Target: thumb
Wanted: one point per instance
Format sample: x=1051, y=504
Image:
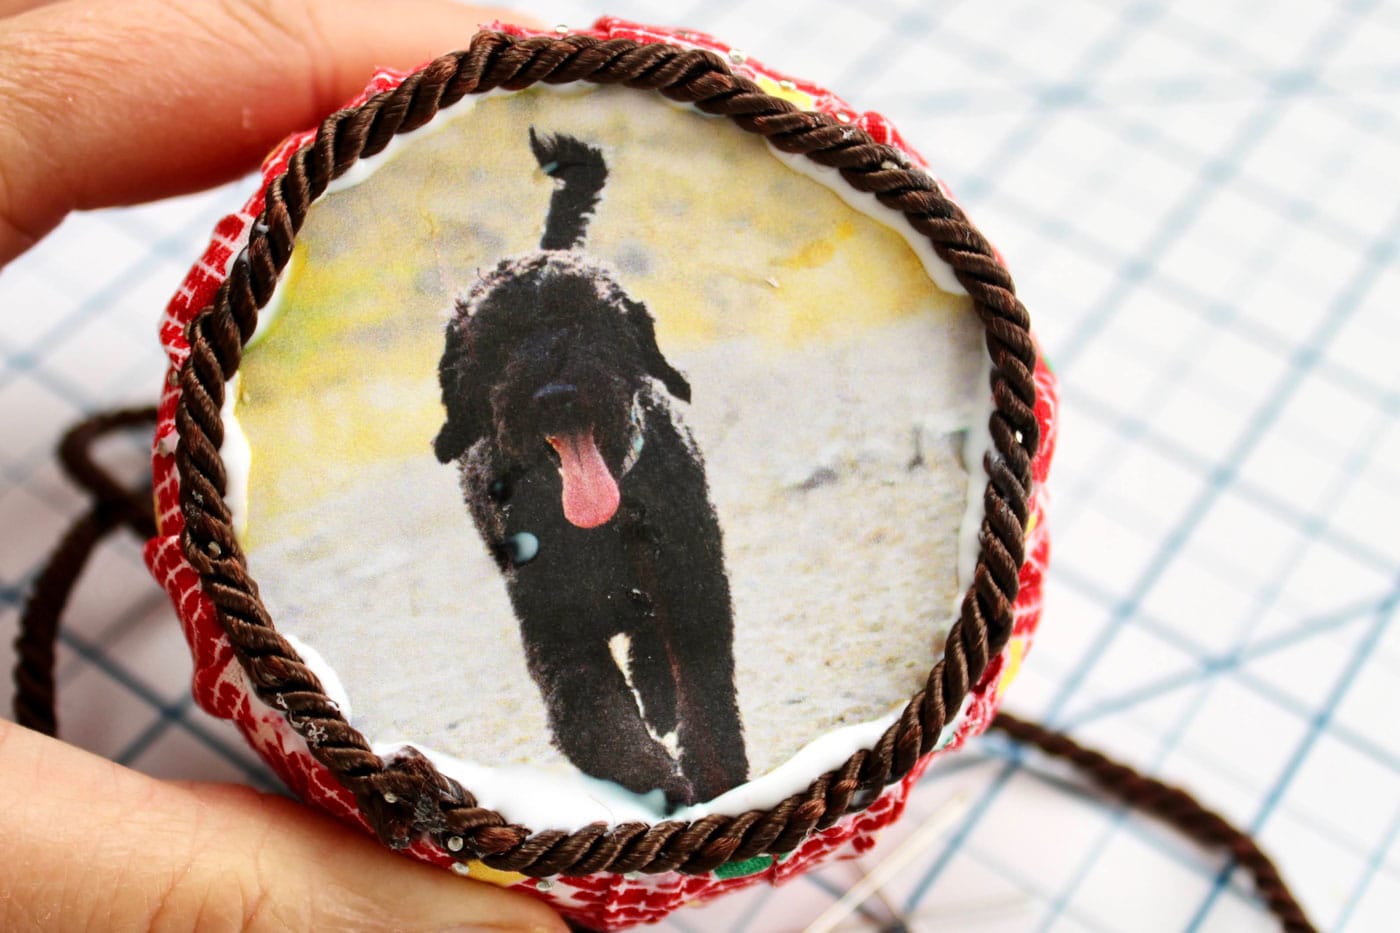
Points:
x=93, y=845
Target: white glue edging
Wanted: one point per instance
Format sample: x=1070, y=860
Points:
x=548, y=798
x=543, y=798
x=237, y=455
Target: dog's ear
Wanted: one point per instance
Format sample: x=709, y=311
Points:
x=460, y=396
x=639, y=318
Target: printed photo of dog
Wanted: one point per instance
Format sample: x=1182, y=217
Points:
x=537, y=286
x=592, y=497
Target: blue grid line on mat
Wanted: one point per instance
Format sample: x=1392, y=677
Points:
x=1213, y=175
x=1320, y=724
x=1374, y=864
x=1000, y=93
x=1222, y=475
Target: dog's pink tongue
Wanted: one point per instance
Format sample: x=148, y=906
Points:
x=590, y=492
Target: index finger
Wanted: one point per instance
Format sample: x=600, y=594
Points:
x=105, y=104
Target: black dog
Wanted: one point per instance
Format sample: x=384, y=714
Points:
x=593, y=500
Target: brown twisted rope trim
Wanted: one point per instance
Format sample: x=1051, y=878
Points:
x=113, y=506
x=406, y=797
x=1172, y=804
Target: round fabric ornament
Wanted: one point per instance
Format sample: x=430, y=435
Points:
x=605, y=466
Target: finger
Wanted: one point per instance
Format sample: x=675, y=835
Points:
x=104, y=104
x=91, y=845
x=11, y=7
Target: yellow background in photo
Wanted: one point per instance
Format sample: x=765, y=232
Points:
x=699, y=220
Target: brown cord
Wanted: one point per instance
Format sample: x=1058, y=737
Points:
x=406, y=797
x=1172, y=804
x=114, y=506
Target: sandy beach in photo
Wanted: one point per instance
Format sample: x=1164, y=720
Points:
x=840, y=538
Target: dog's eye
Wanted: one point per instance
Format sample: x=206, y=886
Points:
x=499, y=490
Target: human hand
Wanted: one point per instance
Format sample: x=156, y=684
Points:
x=114, y=103
x=103, y=103
x=92, y=845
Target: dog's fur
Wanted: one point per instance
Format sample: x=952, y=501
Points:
x=592, y=498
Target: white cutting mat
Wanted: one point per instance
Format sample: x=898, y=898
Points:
x=1195, y=200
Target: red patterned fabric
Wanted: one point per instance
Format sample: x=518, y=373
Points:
x=602, y=901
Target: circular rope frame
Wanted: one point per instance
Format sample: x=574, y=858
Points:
x=406, y=797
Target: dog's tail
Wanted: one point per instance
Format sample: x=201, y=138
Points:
x=583, y=172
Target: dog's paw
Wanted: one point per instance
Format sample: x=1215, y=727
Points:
x=679, y=792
